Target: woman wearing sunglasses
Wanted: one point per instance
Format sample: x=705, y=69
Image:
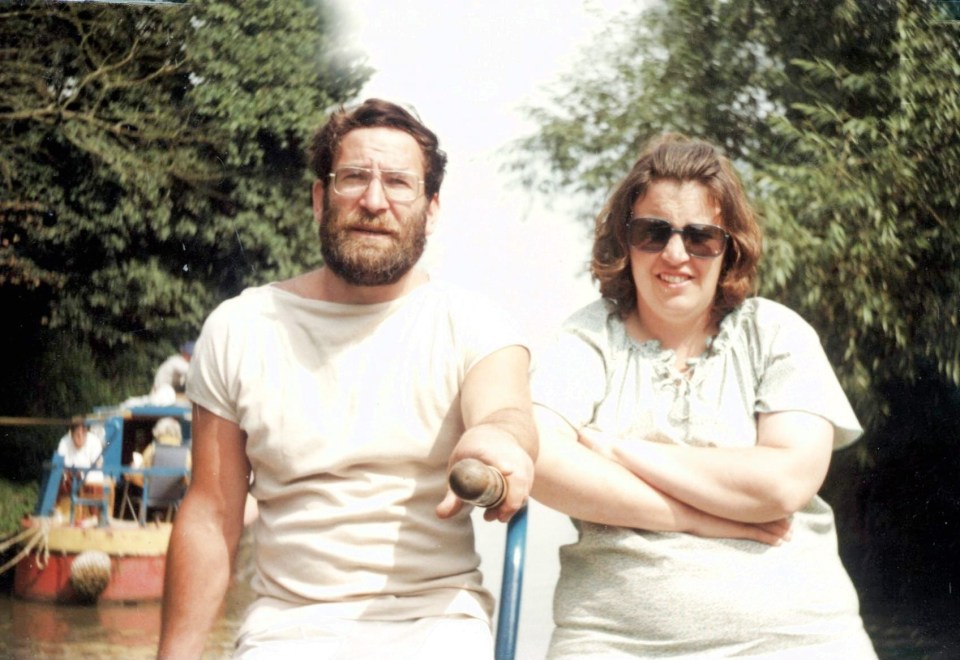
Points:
x=686, y=429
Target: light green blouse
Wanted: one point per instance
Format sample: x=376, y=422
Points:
x=632, y=593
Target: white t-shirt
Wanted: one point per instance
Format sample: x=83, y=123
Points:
x=172, y=372
x=351, y=412
x=85, y=457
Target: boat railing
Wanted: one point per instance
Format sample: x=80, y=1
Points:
x=98, y=494
x=82, y=494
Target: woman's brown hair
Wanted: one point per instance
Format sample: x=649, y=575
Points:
x=675, y=157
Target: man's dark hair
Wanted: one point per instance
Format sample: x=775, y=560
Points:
x=376, y=113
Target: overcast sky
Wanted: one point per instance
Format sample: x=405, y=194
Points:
x=467, y=67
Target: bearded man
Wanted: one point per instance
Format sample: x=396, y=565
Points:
x=348, y=391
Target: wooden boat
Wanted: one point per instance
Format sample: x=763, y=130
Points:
x=99, y=546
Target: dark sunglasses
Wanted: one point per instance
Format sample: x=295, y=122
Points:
x=653, y=234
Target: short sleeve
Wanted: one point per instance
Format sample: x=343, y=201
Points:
x=207, y=380
x=569, y=373
x=481, y=327
x=797, y=375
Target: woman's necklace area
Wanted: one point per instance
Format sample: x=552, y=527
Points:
x=692, y=362
x=639, y=331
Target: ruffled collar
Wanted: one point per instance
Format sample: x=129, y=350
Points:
x=663, y=358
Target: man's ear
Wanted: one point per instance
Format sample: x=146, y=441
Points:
x=433, y=213
x=318, y=192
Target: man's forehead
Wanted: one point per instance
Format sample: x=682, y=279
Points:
x=388, y=148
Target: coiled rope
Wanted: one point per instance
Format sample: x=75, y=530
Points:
x=37, y=534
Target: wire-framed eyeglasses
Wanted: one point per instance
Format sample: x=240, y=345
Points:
x=653, y=234
x=398, y=185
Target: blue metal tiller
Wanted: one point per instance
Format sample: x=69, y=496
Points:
x=508, y=614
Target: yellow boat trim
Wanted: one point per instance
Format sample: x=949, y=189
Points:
x=150, y=540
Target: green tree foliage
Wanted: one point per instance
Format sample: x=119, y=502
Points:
x=151, y=160
x=16, y=501
x=841, y=114
x=707, y=68
x=151, y=164
x=868, y=209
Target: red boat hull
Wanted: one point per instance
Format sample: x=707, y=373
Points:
x=137, y=564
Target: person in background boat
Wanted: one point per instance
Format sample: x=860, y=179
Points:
x=682, y=422
x=80, y=448
x=169, y=382
x=350, y=390
x=166, y=431
x=172, y=373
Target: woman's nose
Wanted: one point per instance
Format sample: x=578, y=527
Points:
x=675, y=251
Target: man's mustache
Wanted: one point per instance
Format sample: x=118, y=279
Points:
x=370, y=222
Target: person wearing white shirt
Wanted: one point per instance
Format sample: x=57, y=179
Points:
x=79, y=448
x=173, y=371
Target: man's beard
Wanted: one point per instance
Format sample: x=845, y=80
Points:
x=361, y=264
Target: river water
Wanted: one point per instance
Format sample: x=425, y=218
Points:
x=41, y=630
x=30, y=630
x=33, y=630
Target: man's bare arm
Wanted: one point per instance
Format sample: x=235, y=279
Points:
x=495, y=401
x=205, y=536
